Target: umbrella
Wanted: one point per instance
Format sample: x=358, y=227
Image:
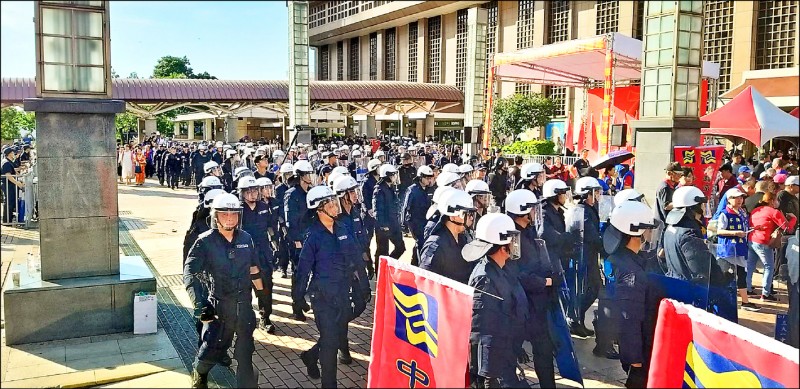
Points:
x=612, y=159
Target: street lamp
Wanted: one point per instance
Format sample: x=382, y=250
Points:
x=72, y=49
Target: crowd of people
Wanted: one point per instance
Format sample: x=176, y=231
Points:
x=16, y=160
x=534, y=240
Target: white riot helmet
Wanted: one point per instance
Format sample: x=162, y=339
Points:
x=341, y=170
x=356, y=153
x=438, y=194
x=424, y=171
x=628, y=195
x=230, y=153
x=286, y=168
x=210, y=196
x=533, y=171
x=379, y=154
x=631, y=218
x=449, y=179
x=494, y=229
x=457, y=203
x=347, y=184
x=586, y=186
x=248, y=185
x=554, y=187
x=242, y=171
x=318, y=199
x=685, y=199
x=465, y=169
x=210, y=166
x=480, y=192
x=332, y=176
x=225, y=204
x=450, y=168
x=266, y=187
x=304, y=171
x=388, y=173
x=523, y=202
x=373, y=165
x=210, y=182
x=278, y=156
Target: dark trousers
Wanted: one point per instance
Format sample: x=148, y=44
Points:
x=604, y=325
x=294, y=256
x=543, y=364
x=584, y=287
x=187, y=177
x=161, y=176
x=265, y=300
x=10, y=199
x=383, y=237
x=794, y=316
x=218, y=335
x=283, y=251
x=332, y=325
x=172, y=178
x=369, y=226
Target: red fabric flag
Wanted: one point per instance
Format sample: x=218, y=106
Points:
x=569, y=140
x=581, y=137
x=420, y=336
x=696, y=349
x=594, y=146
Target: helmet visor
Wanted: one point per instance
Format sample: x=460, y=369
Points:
x=514, y=247
x=226, y=219
x=251, y=194
x=331, y=207
x=652, y=236
x=267, y=192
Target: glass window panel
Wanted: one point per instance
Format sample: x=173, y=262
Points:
x=667, y=6
x=694, y=57
x=650, y=93
x=668, y=23
x=697, y=24
x=56, y=21
x=695, y=40
x=693, y=92
x=685, y=22
x=57, y=49
x=663, y=108
x=88, y=24
x=89, y=51
x=90, y=79
x=680, y=108
x=650, y=76
x=683, y=56
x=697, y=6
x=652, y=26
x=651, y=58
x=683, y=39
x=649, y=108
x=682, y=76
x=653, y=7
x=665, y=57
x=664, y=92
x=667, y=39
x=694, y=75
x=686, y=5
x=664, y=75
x=652, y=42
x=57, y=77
x=692, y=108
x=680, y=92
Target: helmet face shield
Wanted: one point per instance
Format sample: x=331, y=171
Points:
x=356, y=195
x=267, y=192
x=539, y=179
x=514, y=247
x=251, y=194
x=331, y=207
x=226, y=219
x=536, y=216
x=650, y=238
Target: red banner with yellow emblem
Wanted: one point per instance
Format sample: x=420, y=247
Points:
x=420, y=337
x=704, y=161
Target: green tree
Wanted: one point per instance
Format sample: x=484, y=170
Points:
x=169, y=65
x=133, y=75
x=204, y=76
x=13, y=121
x=125, y=122
x=513, y=115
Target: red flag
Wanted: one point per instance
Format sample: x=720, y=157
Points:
x=594, y=138
x=581, y=137
x=420, y=336
x=696, y=349
x=569, y=141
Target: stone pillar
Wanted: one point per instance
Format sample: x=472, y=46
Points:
x=368, y=127
x=190, y=130
x=380, y=57
x=671, y=77
x=231, y=131
x=348, y=125
x=176, y=128
x=207, y=130
x=298, y=65
x=420, y=129
x=475, y=83
x=150, y=126
x=429, y=126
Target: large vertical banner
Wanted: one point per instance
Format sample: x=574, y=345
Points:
x=695, y=349
x=420, y=337
x=704, y=161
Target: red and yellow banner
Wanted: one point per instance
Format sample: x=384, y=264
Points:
x=420, y=337
x=704, y=161
x=696, y=349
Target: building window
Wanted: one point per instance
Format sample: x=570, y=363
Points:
x=340, y=60
x=354, y=68
x=324, y=63
x=558, y=21
x=559, y=95
x=607, y=16
x=435, y=49
x=638, y=16
x=316, y=15
x=491, y=35
x=413, y=31
x=373, y=56
x=390, y=56
x=461, y=48
x=776, y=31
x=524, y=35
x=718, y=40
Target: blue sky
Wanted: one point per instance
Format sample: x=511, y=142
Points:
x=233, y=40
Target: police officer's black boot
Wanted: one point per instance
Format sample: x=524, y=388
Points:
x=199, y=380
x=311, y=366
x=265, y=324
x=344, y=357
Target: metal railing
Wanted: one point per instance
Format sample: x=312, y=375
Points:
x=19, y=205
x=540, y=158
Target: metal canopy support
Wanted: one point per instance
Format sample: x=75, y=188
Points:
x=299, y=97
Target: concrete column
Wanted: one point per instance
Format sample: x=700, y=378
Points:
x=475, y=83
x=368, y=127
x=744, y=42
x=381, y=50
x=299, y=114
x=420, y=129
x=348, y=125
x=429, y=125
x=230, y=129
x=150, y=126
x=422, y=50
x=190, y=131
x=670, y=118
x=207, y=130
x=176, y=128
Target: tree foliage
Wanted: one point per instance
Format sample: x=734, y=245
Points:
x=177, y=67
x=513, y=115
x=125, y=122
x=13, y=121
x=531, y=147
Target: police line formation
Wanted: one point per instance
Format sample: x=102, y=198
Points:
x=310, y=213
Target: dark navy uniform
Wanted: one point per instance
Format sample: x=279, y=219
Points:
x=441, y=254
x=368, y=189
x=497, y=325
x=329, y=260
x=174, y=166
x=559, y=242
x=415, y=206
x=407, y=173
x=687, y=255
x=585, y=227
x=532, y=269
x=186, y=167
x=224, y=269
x=297, y=220
x=198, y=160
x=387, y=222
x=256, y=221
x=283, y=244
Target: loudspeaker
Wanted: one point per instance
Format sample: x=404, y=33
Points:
x=619, y=134
x=469, y=135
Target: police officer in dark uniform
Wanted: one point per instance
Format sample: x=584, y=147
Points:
x=330, y=258
x=325, y=169
x=174, y=166
x=415, y=206
x=441, y=251
x=186, y=166
x=256, y=222
x=631, y=224
x=559, y=243
x=285, y=177
x=158, y=158
x=498, y=182
x=535, y=273
x=406, y=172
x=199, y=160
x=224, y=262
x=267, y=194
x=387, y=214
x=499, y=309
x=532, y=178
x=298, y=220
x=368, y=189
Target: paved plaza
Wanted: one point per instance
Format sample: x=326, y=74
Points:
x=153, y=221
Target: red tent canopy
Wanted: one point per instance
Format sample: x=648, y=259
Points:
x=795, y=112
x=751, y=116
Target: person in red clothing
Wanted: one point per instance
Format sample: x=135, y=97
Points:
x=765, y=220
x=728, y=180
